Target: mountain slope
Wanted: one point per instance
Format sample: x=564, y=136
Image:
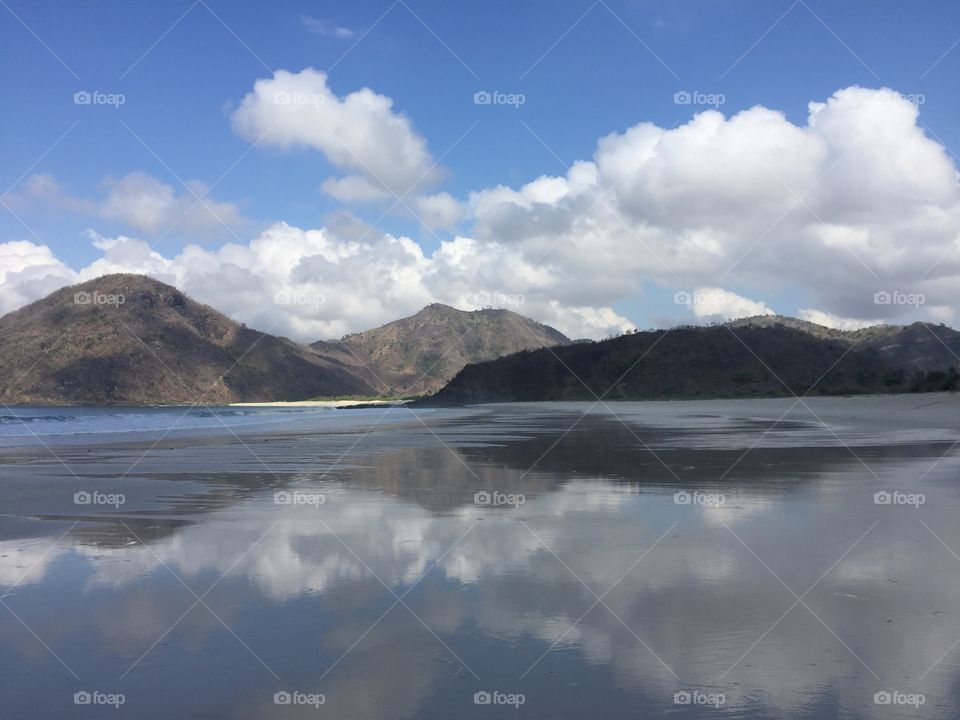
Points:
x=81, y=344
x=920, y=346
x=420, y=354
x=685, y=362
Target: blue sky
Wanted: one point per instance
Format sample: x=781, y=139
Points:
x=585, y=70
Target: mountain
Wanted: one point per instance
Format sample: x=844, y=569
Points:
x=920, y=346
x=716, y=361
x=420, y=354
x=132, y=339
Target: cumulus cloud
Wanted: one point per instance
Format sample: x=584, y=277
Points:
x=359, y=133
x=28, y=272
x=139, y=201
x=440, y=212
x=833, y=321
x=151, y=206
x=855, y=201
x=314, y=284
x=724, y=305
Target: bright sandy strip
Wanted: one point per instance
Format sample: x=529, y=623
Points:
x=318, y=403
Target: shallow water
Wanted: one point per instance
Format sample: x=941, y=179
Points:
x=73, y=425
x=642, y=555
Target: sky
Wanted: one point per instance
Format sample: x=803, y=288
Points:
x=318, y=168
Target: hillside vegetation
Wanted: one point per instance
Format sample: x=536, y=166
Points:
x=749, y=360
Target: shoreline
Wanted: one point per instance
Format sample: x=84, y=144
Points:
x=319, y=403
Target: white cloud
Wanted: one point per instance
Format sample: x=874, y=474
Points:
x=152, y=207
x=440, y=212
x=28, y=272
x=833, y=321
x=354, y=188
x=585, y=322
x=317, y=284
x=44, y=191
x=855, y=201
x=327, y=28
x=718, y=303
x=139, y=201
x=126, y=254
x=359, y=133
x=942, y=313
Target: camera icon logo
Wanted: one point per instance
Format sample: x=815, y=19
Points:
x=882, y=498
x=282, y=498
x=882, y=298
x=682, y=698
x=282, y=698
x=81, y=298
x=482, y=698
x=82, y=97
x=482, y=498
x=682, y=98
x=82, y=698
x=682, y=298
x=82, y=498
x=682, y=498
x=482, y=97
x=882, y=698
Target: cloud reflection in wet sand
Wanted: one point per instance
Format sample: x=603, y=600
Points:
x=301, y=584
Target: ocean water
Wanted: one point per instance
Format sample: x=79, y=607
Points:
x=737, y=559
x=23, y=425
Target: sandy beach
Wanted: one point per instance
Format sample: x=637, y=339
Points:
x=319, y=403
x=498, y=525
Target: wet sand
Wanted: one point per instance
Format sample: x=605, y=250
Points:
x=399, y=562
x=320, y=403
